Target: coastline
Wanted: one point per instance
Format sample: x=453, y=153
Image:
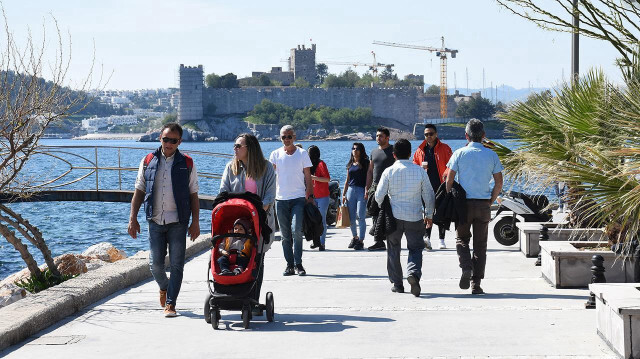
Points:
x=110, y=136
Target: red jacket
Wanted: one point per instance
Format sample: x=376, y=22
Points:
x=442, y=152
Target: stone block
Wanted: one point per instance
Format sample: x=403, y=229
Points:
x=564, y=266
x=529, y=235
x=618, y=316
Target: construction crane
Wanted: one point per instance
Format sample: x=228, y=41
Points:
x=372, y=66
x=442, y=54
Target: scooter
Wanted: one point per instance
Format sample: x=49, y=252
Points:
x=532, y=208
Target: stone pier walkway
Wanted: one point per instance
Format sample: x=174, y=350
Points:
x=343, y=308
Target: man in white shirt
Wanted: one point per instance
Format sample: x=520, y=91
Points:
x=412, y=201
x=167, y=183
x=293, y=189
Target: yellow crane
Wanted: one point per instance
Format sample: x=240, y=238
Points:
x=442, y=54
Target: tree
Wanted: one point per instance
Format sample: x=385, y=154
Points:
x=213, y=81
x=615, y=22
x=28, y=106
x=229, y=81
x=264, y=80
x=433, y=90
x=387, y=74
x=322, y=71
x=479, y=108
x=300, y=83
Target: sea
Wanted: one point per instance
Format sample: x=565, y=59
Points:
x=72, y=227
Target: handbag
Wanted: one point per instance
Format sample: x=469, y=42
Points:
x=343, y=217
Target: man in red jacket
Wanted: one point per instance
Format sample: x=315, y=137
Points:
x=433, y=155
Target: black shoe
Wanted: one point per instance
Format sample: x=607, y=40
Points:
x=313, y=246
x=300, y=270
x=289, y=271
x=378, y=246
x=465, y=279
x=476, y=289
x=359, y=246
x=397, y=289
x=321, y=248
x=226, y=272
x=354, y=241
x=415, y=285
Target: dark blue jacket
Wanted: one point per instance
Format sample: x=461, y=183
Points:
x=180, y=171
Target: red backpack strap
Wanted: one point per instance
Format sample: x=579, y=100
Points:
x=189, y=161
x=148, y=159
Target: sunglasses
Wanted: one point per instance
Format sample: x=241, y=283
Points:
x=287, y=137
x=169, y=139
x=355, y=149
x=429, y=134
x=237, y=146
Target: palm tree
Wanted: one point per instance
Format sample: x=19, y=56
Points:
x=586, y=135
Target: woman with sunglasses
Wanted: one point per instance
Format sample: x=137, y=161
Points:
x=353, y=194
x=320, y=176
x=249, y=171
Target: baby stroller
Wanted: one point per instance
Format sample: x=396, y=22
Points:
x=237, y=292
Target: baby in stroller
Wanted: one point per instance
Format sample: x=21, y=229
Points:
x=239, y=247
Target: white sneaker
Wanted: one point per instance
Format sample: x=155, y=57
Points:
x=442, y=245
x=427, y=243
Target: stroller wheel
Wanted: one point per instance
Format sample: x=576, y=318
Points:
x=207, y=309
x=270, y=306
x=246, y=316
x=214, y=318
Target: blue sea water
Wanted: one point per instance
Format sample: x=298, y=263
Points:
x=71, y=227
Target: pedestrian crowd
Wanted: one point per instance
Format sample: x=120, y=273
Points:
x=405, y=194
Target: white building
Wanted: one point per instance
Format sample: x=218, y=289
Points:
x=94, y=124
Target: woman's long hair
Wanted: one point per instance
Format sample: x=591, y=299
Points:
x=314, y=156
x=256, y=163
x=364, y=159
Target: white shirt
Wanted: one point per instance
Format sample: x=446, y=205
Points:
x=289, y=170
x=408, y=187
x=165, y=210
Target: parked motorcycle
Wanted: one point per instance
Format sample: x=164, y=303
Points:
x=532, y=208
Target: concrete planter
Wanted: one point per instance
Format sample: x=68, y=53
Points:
x=564, y=266
x=618, y=316
x=529, y=235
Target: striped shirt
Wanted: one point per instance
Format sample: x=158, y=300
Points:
x=408, y=187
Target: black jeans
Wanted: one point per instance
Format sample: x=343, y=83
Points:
x=441, y=231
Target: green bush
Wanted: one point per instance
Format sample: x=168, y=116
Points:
x=34, y=284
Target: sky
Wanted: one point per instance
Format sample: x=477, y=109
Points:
x=140, y=44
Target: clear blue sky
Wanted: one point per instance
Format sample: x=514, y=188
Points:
x=142, y=43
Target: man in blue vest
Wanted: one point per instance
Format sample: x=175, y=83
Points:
x=167, y=184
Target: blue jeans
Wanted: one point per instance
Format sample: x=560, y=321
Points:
x=357, y=205
x=173, y=236
x=323, y=206
x=290, y=216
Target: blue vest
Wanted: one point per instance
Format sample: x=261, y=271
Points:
x=180, y=171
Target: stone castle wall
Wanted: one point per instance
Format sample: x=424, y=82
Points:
x=400, y=105
x=190, y=96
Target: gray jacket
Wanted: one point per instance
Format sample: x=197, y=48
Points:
x=266, y=191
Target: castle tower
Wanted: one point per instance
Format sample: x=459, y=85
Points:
x=302, y=63
x=190, y=96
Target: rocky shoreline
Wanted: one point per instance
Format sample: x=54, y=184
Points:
x=68, y=264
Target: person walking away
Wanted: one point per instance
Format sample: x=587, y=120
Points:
x=353, y=193
x=475, y=166
x=412, y=201
x=433, y=155
x=249, y=171
x=381, y=159
x=293, y=187
x=320, y=176
x=167, y=184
